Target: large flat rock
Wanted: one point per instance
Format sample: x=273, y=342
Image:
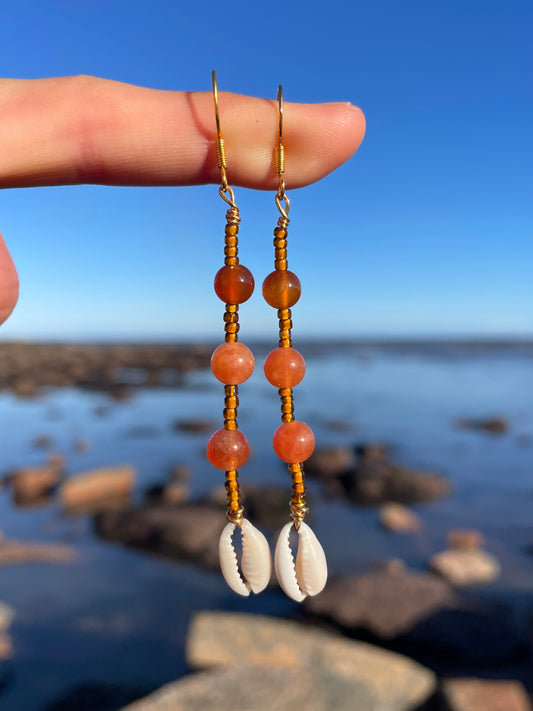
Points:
x=259, y=663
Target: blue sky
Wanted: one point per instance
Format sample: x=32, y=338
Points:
x=429, y=227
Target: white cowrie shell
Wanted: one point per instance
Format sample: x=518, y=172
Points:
x=310, y=573
x=256, y=563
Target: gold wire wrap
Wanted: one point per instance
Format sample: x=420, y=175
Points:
x=280, y=159
x=280, y=162
x=298, y=498
x=235, y=510
x=221, y=154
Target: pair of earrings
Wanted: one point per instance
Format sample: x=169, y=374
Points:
x=232, y=363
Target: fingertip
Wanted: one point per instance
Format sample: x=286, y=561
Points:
x=9, y=283
x=324, y=137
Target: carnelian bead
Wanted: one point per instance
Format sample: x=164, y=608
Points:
x=293, y=442
x=234, y=284
x=227, y=449
x=282, y=289
x=284, y=367
x=232, y=363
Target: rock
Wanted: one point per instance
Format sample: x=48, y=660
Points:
x=91, y=489
x=7, y=615
x=218, y=496
x=82, y=446
x=465, y=567
x=57, y=461
x=387, y=602
x=120, y=392
x=317, y=670
x=115, y=369
x=195, y=426
x=267, y=506
x=278, y=664
x=370, y=478
x=42, y=441
x=375, y=481
x=6, y=647
x=330, y=461
x=493, y=425
x=422, y=614
x=12, y=552
x=31, y=484
x=175, y=493
x=25, y=387
x=172, y=493
x=189, y=532
x=398, y=518
x=465, y=539
x=180, y=473
x=372, y=452
x=485, y=695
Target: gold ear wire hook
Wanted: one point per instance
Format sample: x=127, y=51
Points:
x=225, y=190
x=280, y=161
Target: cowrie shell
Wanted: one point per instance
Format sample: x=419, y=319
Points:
x=309, y=574
x=256, y=563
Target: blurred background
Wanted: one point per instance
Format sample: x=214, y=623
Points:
x=418, y=391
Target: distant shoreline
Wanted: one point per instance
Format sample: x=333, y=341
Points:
x=118, y=368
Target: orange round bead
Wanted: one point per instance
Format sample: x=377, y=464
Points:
x=284, y=367
x=232, y=363
x=234, y=284
x=293, y=442
x=282, y=289
x=227, y=449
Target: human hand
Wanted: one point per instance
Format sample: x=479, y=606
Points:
x=71, y=130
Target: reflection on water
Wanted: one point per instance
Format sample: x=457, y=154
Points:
x=118, y=618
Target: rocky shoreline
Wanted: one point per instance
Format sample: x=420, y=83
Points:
x=386, y=637
x=26, y=368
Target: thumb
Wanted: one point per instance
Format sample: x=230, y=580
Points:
x=9, y=282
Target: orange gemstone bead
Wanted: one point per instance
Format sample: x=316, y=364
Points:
x=232, y=363
x=293, y=442
x=227, y=449
x=282, y=289
x=234, y=284
x=284, y=367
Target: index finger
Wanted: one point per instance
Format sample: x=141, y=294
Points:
x=84, y=129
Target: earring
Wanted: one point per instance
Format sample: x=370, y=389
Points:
x=232, y=363
x=293, y=440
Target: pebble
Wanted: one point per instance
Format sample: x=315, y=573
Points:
x=485, y=695
x=465, y=567
x=399, y=519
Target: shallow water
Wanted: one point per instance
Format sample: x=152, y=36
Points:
x=120, y=616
